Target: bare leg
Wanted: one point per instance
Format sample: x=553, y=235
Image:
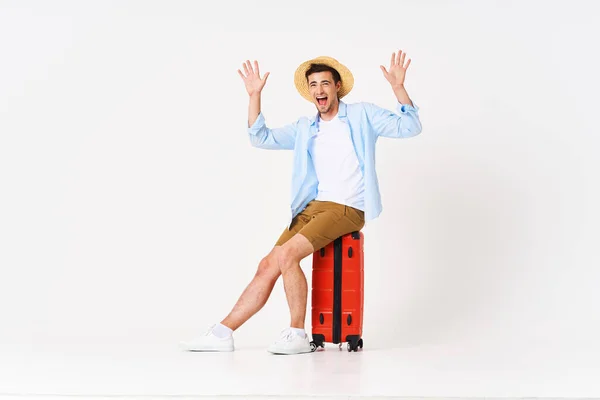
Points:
x=282, y=259
x=294, y=281
x=296, y=291
x=256, y=293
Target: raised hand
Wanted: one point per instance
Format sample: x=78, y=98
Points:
x=395, y=76
x=252, y=80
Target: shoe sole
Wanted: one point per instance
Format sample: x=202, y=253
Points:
x=185, y=347
x=289, y=353
x=210, y=350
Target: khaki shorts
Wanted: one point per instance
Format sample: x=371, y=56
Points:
x=321, y=222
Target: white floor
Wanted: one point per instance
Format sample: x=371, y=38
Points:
x=484, y=370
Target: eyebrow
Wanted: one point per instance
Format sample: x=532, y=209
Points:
x=324, y=80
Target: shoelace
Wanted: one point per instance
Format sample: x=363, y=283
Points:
x=286, y=335
x=209, y=331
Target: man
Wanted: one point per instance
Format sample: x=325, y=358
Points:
x=334, y=184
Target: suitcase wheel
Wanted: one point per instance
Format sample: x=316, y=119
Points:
x=314, y=346
x=318, y=340
x=355, y=345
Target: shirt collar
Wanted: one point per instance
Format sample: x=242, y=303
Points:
x=341, y=114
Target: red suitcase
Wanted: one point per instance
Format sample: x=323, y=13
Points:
x=338, y=292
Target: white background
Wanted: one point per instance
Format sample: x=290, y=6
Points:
x=133, y=207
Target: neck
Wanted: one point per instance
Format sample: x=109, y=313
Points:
x=328, y=116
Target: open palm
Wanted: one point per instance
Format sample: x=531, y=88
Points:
x=395, y=76
x=252, y=80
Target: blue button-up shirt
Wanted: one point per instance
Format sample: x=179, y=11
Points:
x=367, y=122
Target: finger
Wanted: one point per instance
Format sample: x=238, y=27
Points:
x=398, y=56
x=246, y=69
x=385, y=73
x=256, y=68
x=242, y=75
x=393, y=60
x=402, y=59
x=266, y=76
x=407, y=64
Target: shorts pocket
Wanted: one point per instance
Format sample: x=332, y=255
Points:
x=355, y=216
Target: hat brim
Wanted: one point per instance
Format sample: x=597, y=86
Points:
x=347, y=79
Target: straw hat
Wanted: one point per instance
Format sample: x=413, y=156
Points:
x=347, y=81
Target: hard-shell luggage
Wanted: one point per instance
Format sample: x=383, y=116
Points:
x=338, y=292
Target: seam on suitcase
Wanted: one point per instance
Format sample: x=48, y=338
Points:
x=337, y=291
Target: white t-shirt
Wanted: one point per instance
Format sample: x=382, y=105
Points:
x=336, y=165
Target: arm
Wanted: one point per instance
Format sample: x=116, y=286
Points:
x=402, y=95
x=253, y=109
x=272, y=139
x=260, y=135
x=405, y=123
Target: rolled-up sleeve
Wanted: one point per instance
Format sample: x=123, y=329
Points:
x=263, y=137
x=404, y=123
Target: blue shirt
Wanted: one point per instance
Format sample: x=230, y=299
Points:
x=367, y=122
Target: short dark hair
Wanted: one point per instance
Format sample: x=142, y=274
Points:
x=322, y=68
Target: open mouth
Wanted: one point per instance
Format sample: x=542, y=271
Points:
x=322, y=100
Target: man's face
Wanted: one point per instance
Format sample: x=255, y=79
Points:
x=323, y=90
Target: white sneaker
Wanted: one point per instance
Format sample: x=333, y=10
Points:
x=209, y=342
x=290, y=343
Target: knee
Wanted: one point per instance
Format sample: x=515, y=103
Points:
x=268, y=268
x=284, y=259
